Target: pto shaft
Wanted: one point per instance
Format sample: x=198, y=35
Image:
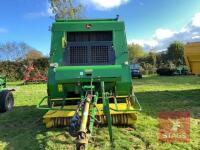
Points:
x=85, y=115
x=82, y=134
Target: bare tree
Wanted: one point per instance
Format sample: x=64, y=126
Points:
x=34, y=54
x=13, y=51
x=66, y=9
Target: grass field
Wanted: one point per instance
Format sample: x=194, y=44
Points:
x=23, y=129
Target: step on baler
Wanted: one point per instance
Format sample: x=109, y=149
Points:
x=6, y=97
x=89, y=78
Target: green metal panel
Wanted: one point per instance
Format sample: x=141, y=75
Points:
x=116, y=76
x=81, y=26
x=2, y=83
x=59, y=29
x=79, y=73
x=56, y=54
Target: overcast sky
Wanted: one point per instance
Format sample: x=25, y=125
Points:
x=150, y=23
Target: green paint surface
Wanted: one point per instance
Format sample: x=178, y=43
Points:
x=117, y=77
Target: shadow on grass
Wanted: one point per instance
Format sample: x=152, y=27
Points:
x=157, y=101
x=23, y=128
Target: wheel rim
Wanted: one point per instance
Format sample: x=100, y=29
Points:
x=9, y=103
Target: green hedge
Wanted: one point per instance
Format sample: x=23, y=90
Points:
x=14, y=70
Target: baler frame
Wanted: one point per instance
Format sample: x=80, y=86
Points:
x=90, y=99
x=89, y=60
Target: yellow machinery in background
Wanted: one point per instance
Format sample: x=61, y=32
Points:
x=192, y=57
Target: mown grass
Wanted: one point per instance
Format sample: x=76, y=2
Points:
x=23, y=129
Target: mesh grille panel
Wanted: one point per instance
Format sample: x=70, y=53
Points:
x=78, y=55
x=89, y=53
x=99, y=54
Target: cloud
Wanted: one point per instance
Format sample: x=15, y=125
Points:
x=107, y=4
x=145, y=43
x=49, y=10
x=99, y=4
x=196, y=37
x=3, y=30
x=163, y=37
x=40, y=14
x=196, y=20
x=163, y=33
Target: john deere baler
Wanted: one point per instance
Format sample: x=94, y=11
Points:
x=89, y=79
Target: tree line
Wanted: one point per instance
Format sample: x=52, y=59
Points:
x=14, y=66
x=14, y=70
x=17, y=51
x=152, y=60
x=14, y=57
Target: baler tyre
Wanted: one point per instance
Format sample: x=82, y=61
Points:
x=6, y=101
x=80, y=147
